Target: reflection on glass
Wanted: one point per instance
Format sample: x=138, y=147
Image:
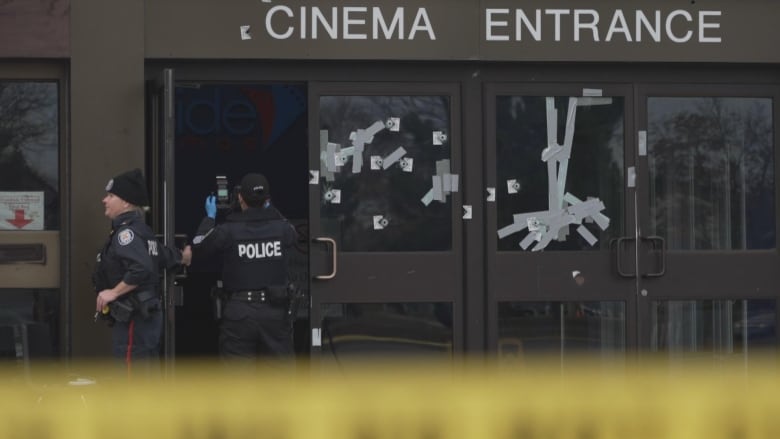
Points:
x=29, y=324
x=595, y=167
x=233, y=129
x=528, y=328
x=366, y=330
x=391, y=193
x=720, y=327
x=712, y=172
x=29, y=143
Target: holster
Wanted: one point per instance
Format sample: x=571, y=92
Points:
x=294, y=300
x=217, y=297
x=136, y=302
x=121, y=310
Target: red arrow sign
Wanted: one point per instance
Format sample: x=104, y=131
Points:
x=19, y=221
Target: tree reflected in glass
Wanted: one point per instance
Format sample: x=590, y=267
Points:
x=711, y=166
x=29, y=142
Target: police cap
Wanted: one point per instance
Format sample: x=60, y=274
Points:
x=254, y=188
x=130, y=186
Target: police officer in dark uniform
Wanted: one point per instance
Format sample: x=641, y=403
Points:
x=254, y=245
x=127, y=273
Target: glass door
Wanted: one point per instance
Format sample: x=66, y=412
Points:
x=708, y=264
x=385, y=221
x=560, y=219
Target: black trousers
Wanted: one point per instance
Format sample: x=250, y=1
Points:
x=137, y=343
x=254, y=330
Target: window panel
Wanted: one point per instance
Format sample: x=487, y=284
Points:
x=387, y=206
x=711, y=163
x=29, y=151
x=525, y=126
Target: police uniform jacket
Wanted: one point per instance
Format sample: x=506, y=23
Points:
x=133, y=255
x=254, y=245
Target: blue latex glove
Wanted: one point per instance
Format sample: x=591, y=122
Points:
x=211, y=206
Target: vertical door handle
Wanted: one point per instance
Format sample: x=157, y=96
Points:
x=332, y=274
x=619, y=244
x=657, y=244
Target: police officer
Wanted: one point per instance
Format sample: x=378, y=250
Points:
x=254, y=245
x=127, y=273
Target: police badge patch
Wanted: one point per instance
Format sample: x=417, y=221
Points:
x=125, y=237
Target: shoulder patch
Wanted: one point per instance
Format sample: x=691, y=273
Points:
x=125, y=237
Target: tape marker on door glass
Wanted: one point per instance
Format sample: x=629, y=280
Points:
x=316, y=338
x=393, y=157
x=591, y=92
x=642, y=143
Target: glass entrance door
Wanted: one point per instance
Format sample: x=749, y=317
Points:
x=385, y=220
x=606, y=236
x=560, y=199
x=708, y=263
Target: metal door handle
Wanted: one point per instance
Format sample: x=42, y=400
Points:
x=657, y=242
x=618, y=242
x=332, y=242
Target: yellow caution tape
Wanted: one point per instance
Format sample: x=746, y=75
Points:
x=390, y=400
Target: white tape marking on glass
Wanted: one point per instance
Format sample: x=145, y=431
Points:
x=564, y=209
x=642, y=143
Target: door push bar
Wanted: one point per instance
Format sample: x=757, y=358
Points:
x=332, y=242
x=657, y=243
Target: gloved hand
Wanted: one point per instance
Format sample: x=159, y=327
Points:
x=211, y=206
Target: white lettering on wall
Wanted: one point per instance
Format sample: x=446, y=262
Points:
x=557, y=14
x=490, y=23
x=269, y=18
x=687, y=16
x=587, y=25
x=422, y=23
x=584, y=25
x=346, y=23
x=580, y=24
x=618, y=25
x=350, y=23
x=535, y=29
x=703, y=24
x=318, y=18
x=643, y=22
x=381, y=24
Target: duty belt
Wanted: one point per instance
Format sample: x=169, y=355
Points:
x=257, y=296
x=145, y=295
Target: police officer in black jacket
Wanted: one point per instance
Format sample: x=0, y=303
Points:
x=127, y=273
x=254, y=245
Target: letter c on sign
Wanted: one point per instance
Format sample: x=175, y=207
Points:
x=270, y=15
